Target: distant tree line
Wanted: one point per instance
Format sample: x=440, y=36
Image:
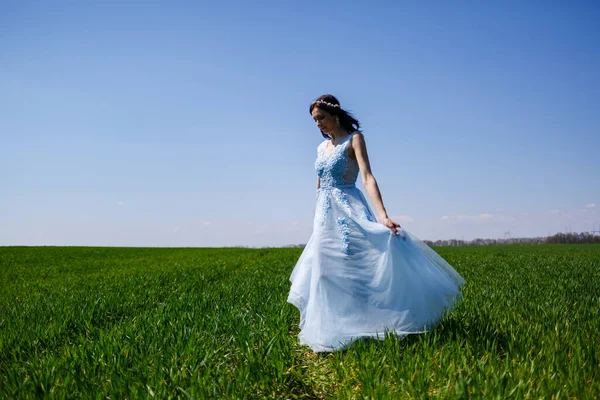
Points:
x=559, y=238
x=573, y=238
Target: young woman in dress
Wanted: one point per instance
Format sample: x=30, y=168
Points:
x=360, y=276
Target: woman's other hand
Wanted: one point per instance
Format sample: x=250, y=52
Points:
x=394, y=226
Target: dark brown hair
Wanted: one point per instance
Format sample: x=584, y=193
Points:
x=347, y=121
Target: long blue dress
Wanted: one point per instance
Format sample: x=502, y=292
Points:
x=355, y=278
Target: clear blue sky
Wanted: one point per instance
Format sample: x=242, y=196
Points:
x=186, y=123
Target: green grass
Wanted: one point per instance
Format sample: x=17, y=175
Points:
x=207, y=323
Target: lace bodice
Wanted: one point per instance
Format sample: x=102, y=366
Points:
x=336, y=168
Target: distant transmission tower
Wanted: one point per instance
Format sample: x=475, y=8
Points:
x=594, y=231
x=506, y=235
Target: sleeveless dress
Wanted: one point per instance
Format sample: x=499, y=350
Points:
x=355, y=278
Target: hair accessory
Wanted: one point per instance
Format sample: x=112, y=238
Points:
x=326, y=103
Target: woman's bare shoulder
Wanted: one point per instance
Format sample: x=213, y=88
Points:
x=358, y=139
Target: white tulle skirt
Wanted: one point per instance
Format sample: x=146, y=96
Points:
x=356, y=279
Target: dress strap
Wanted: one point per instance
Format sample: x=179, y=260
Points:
x=350, y=136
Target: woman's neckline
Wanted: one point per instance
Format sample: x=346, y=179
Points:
x=335, y=146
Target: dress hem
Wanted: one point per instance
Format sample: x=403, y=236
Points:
x=296, y=300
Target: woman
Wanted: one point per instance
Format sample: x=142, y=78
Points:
x=359, y=278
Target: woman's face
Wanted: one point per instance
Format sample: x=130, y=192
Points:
x=325, y=121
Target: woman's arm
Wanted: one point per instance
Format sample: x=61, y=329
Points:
x=359, y=153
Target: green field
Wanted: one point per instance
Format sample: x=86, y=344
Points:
x=213, y=323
